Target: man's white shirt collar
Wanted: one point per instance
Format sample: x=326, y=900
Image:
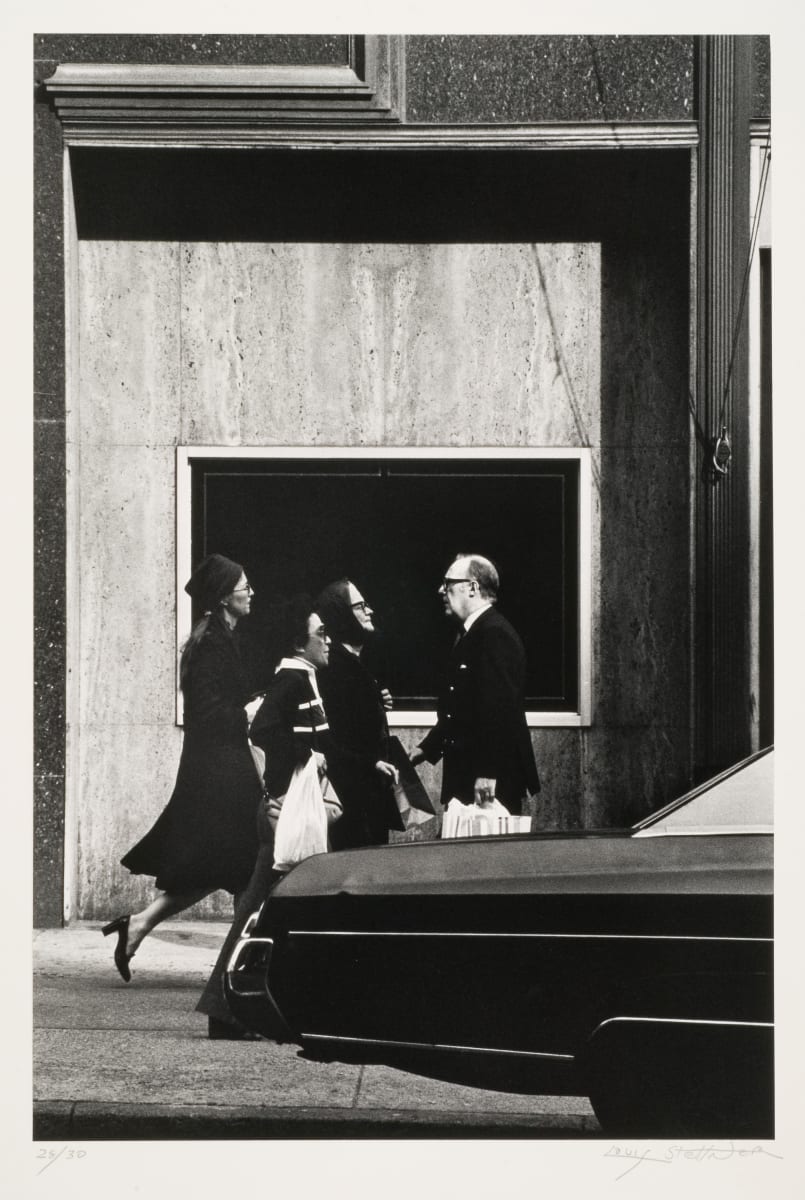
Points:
x=473, y=617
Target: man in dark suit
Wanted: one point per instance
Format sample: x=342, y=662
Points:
x=481, y=732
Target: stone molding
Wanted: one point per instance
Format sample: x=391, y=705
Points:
x=109, y=103
x=357, y=105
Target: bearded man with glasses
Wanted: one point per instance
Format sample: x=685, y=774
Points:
x=481, y=734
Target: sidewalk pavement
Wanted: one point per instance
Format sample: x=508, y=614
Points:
x=133, y=1061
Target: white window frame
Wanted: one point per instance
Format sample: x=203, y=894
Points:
x=405, y=718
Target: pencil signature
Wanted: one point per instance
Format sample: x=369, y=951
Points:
x=706, y=1151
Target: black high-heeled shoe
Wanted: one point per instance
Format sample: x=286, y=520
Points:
x=120, y=926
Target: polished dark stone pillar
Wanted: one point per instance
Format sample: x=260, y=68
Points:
x=722, y=651
x=50, y=666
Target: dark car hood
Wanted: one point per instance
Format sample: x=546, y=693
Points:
x=542, y=864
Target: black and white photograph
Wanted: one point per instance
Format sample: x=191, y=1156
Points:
x=404, y=512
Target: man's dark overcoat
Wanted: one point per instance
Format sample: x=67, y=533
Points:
x=359, y=739
x=481, y=728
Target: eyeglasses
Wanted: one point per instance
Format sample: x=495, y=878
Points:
x=447, y=582
x=246, y=588
x=362, y=606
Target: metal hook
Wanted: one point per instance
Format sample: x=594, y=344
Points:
x=722, y=452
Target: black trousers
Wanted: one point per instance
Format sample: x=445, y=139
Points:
x=213, y=999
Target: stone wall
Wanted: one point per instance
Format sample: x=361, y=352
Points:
x=290, y=344
x=169, y=353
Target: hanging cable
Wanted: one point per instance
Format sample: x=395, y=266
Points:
x=721, y=447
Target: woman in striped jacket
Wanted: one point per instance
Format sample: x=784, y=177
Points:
x=291, y=724
x=289, y=727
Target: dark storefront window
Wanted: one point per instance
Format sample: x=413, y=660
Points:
x=392, y=524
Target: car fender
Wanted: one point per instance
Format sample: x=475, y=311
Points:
x=673, y=1077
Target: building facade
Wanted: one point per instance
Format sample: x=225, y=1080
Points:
x=416, y=278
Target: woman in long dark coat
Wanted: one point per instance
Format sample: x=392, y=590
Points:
x=205, y=839
x=356, y=710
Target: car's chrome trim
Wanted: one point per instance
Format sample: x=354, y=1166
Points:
x=250, y=923
x=245, y=943
x=684, y=1021
x=706, y=831
x=358, y=1041
x=242, y=944
x=616, y=937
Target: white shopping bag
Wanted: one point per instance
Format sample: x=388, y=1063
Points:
x=302, y=823
x=472, y=820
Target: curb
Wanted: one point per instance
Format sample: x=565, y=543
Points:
x=88, y=1121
